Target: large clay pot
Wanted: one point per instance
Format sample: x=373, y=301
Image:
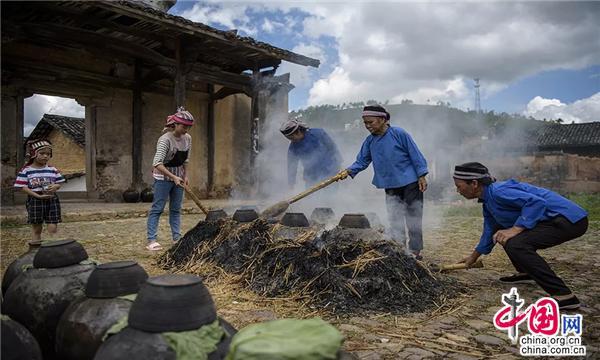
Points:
x=322, y=215
x=294, y=220
x=17, y=342
x=133, y=344
x=147, y=195
x=16, y=267
x=354, y=221
x=214, y=215
x=84, y=323
x=39, y=296
x=245, y=215
x=172, y=303
x=131, y=196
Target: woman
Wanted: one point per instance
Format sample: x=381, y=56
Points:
x=170, y=174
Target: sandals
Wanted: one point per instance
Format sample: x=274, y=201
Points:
x=154, y=246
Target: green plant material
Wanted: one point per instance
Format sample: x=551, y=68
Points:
x=310, y=339
x=195, y=344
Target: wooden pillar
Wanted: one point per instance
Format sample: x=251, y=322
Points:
x=90, y=149
x=12, y=142
x=179, y=76
x=210, y=131
x=20, y=124
x=136, y=150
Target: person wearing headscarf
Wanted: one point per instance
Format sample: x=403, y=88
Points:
x=170, y=174
x=399, y=168
x=312, y=147
x=40, y=182
x=523, y=219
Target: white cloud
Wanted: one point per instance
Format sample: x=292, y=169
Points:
x=303, y=76
x=424, y=50
x=428, y=50
x=232, y=16
x=36, y=106
x=584, y=110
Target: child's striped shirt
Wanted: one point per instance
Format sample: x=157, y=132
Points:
x=36, y=179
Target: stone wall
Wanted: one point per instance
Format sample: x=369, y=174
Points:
x=67, y=156
x=565, y=173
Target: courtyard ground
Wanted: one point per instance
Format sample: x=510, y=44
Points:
x=461, y=328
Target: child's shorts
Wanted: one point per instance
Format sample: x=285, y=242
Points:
x=41, y=211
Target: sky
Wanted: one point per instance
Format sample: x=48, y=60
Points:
x=539, y=59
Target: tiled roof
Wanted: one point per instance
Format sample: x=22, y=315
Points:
x=572, y=135
x=73, y=127
x=223, y=34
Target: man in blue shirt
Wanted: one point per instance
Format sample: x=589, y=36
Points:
x=400, y=169
x=522, y=218
x=314, y=148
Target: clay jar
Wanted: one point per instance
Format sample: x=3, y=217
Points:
x=294, y=220
x=17, y=342
x=84, y=323
x=133, y=344
x=245, y=215
x=167, y=303
x=147, y=195
x=131, y=196
x=214, y=215
x=322, y=215
x=16, y=267
x=354, y=221
x=39, y=296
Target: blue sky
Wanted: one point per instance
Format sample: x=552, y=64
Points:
x=548, y=51
x=540, y=59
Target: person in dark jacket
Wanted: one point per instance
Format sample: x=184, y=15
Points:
x=523, y=219
x=312, y=147
x=400, y=169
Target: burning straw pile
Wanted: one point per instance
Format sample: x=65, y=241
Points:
x=343, y=270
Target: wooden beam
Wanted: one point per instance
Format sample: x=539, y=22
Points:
x=90, y=149
x=210, y=131
x=181, y=25
x=77, y=36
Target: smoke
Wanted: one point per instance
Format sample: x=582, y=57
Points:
x=446, y=136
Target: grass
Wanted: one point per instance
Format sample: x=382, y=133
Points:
x=590, y=202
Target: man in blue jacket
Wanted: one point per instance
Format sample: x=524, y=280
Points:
x=400, y=169
x=314, y=148
x=522, y=218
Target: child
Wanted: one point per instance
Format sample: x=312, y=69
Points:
x=40, y=182
x=170, y=174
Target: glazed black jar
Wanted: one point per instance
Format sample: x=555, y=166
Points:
x=131, y=196
x=294, y=220
x=214, y=215
x=147, y=195
x=245, y=215
x=83, y=324
x=355, y=221
x=167, y=303
x=322, y=215
x=17, y=342
x=172, y=303
x=39, y=296
x=133, y=344
x=16, y=267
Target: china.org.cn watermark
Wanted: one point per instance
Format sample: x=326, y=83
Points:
x=550, y=333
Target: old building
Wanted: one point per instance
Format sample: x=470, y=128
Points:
x=131, y=64
x=67, y=135
x=565, y=158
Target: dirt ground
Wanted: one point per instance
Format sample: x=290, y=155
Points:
x=459, y=329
